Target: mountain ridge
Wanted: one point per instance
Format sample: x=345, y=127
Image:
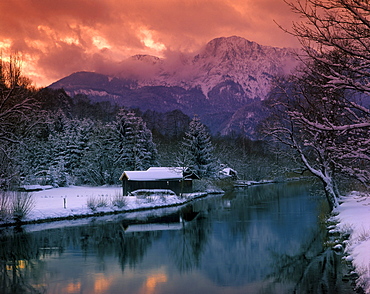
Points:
x=223, y=77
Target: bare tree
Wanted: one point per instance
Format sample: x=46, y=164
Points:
x=17, y=115
x=293, y=102
x=340, y=25
x=323, y=111
x=336, y=37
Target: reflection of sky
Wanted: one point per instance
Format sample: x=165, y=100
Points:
x=236, y=254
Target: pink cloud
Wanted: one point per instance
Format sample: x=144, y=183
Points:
x=60, y=37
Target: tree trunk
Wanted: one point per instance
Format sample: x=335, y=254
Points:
x=330, y=192
x=326, y=177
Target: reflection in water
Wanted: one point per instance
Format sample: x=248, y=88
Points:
x=188, y=245
x=153, y=279
x=74, y=287
x=101, y=283
x=318, y=271
x=265, y=239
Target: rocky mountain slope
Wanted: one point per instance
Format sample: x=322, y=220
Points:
x=223, y=83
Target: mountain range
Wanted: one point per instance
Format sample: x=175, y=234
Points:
x=224, y=83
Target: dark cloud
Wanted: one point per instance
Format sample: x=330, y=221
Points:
x=57, y=38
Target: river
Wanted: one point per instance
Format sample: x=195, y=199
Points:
x=262, y=239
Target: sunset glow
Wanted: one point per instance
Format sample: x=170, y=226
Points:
x=73, y=287
x=147, y=39
x=152, y=281
x=101, y=283
x=57, y=39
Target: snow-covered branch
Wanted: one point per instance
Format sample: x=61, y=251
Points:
x=329, y=127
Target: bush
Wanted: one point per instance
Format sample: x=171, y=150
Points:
x=203, y=185
x=5, y=205
x=152, y=195
x=119, y=200
x=94, y=202
x=224, y=184
x=21, y=204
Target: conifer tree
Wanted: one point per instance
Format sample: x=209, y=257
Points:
x=98, y=166
x=136, y=149
x=69, y=142
x=198, y=149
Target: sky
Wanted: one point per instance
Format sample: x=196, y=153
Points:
x=57, y=38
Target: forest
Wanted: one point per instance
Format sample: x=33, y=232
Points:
x=49, y=138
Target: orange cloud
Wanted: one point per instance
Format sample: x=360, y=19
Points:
x=57, y=38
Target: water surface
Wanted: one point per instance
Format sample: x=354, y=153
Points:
x=263, y=239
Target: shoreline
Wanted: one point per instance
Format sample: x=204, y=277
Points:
x=352, y=227
x=37, y=217
x=348, y=226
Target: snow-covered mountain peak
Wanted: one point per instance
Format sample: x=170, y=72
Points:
x=242, y=61
x=229, y=48
x=222, y=59
x=222, y=77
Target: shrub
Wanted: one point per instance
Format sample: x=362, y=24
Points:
x=119, y=200
x=223, y=184
x=152, y=195
x=94, y=202
x=5, y=205
x=203, y=185
x=102, y=202
x=21, y=204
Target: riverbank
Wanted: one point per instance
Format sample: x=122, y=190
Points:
x=79, y=202
x=353, y=219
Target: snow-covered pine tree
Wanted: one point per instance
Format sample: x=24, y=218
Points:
x=136, y=149
x=197, y=148
x=98, y=166
x=69, y=142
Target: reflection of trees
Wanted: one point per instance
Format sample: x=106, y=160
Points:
x=251, y=224
x=110, y=239
x=18, y=258
x=189, y=243
x=310, y=270
x=243, y=207
x=22, y=269
x=131, y=249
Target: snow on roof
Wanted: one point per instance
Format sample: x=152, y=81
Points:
x=154, y=173
x=228, y=171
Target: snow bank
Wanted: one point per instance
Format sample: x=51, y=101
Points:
x=73, y=201
x=354, y=219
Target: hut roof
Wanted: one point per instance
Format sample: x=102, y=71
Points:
x=154, y=174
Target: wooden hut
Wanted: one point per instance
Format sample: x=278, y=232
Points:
x=171, y=178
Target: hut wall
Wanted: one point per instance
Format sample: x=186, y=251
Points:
x=178, y=186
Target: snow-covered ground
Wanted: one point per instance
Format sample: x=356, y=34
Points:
x=73, y=201
x=353, y=217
